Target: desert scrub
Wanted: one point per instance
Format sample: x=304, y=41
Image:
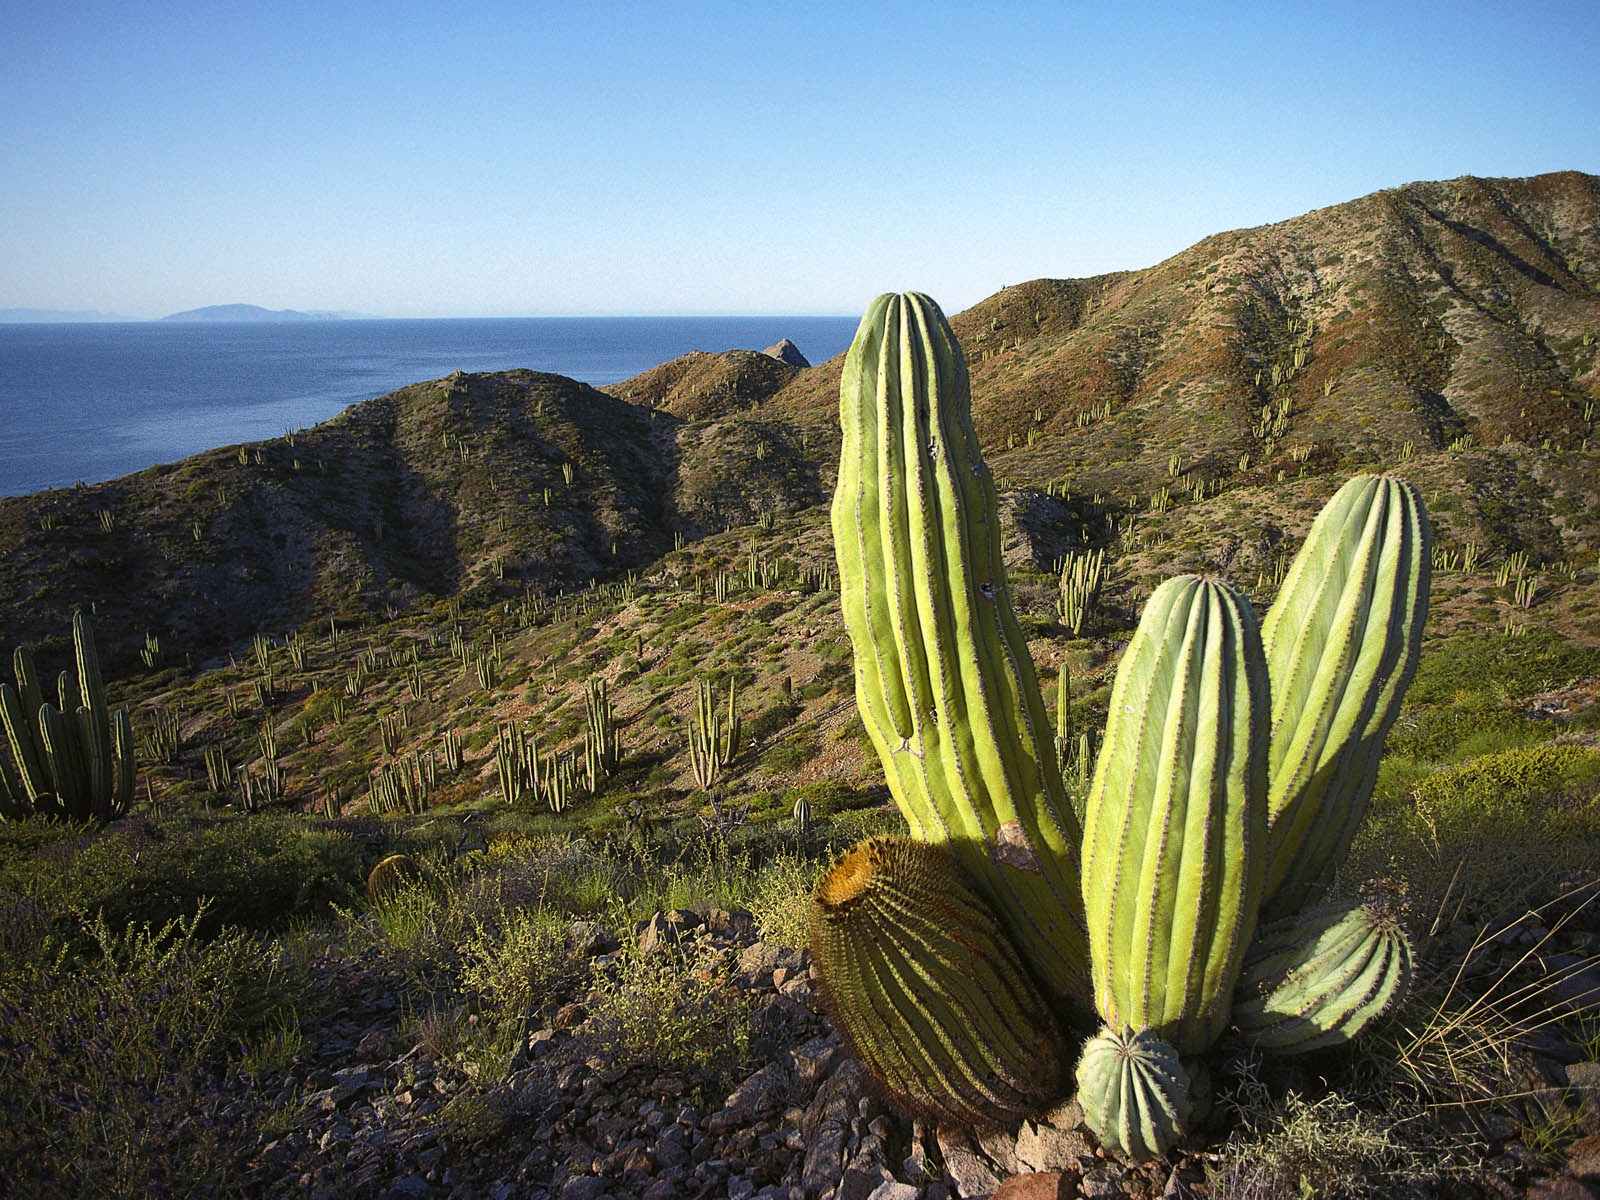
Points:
x=517, y=962
x=671, y=1009
x=116, y=1044
x=1493, y=832
x=260, y=872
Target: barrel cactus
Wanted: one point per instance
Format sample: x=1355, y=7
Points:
x=926, y=988
x=390, y=876
x=1316, y=979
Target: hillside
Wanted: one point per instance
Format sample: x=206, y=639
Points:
x=1450, y=325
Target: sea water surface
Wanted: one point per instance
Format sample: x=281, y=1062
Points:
x=89, y=402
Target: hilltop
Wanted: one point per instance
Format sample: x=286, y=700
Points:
x=1450, y=327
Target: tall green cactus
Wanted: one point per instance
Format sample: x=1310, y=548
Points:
x=75, y=760
x=1235, y=765
x=944, y=682
x=1176, y=825
x=1342, y=642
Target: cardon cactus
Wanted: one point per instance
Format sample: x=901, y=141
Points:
x=944, y=683
x=1342, y=641
x=1315, y=979
x=1134, y=1092
x=926, y=988
x=1175, y=826
x=75, y=761
x=1235, y=765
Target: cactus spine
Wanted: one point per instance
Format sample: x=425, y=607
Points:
x=1342, y=642
x=944, y=682
x=927, y=988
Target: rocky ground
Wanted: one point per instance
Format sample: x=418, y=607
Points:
x=372, y=1112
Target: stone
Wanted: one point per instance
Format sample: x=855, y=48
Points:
x=1583, y=1159
x=583, y=1187
x=966, y=1165
x=1044, y=1147
x=766, y=1091
x=787, y=352
x=1564, y=1188
x=893, y=1189
x=1038, y=1185
x=590, y=939
x=826, y=1126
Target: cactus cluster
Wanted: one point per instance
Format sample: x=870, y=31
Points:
x=1235, y=767
x=74, y=759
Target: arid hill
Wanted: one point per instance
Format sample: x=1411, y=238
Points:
x=1453, y=327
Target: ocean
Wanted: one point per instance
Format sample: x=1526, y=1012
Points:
x=90, y=402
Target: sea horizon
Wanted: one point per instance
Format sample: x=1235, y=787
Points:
x=89, y=401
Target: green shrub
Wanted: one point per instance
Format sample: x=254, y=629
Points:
x=259, y=872
x=671, y=1010
x=115, y=1044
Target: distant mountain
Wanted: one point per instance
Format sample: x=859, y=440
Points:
x=54, y=316
x=248, y=312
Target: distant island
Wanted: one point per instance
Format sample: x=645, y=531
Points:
x=248, y=312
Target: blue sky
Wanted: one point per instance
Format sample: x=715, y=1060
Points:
x=589, y=157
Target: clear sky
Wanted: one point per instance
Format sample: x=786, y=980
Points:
x=651, y=157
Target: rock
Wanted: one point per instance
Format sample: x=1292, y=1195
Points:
x=590, y=939
x=1038, y=1185
x=1583, y=1159
x=966, y=1165
x=786, y=351
x=812, y=1060
x=583, y=1187
x=1045, y=1147
x=764, y=1092
x=667, y=929
x=1564, y=1188
x=826, y=1126
x=893, y=1189
x=1576, y=981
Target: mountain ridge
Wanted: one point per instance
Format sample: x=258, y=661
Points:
x=1444, y=329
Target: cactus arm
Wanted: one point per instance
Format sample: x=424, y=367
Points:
x=1176, y=816
x=944, y=683
x=122, y=777
x=1342, y=643
x=1316, y=979
x=26, y=745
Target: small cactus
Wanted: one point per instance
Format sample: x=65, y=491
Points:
x=389, y=876
x=1316, y=979
x=1134, y=1092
